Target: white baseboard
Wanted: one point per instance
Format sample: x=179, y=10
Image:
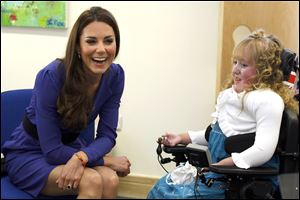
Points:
x=135, y=186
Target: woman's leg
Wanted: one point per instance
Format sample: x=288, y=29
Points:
x=110, y=182
x=91, y=185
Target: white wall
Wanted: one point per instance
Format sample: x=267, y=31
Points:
x=169, y=54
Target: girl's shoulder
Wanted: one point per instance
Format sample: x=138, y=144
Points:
x=265, y=94
x=265, y=97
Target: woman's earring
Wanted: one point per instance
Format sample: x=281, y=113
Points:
x=79, y=56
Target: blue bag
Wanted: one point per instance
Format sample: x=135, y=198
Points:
x=163, y=190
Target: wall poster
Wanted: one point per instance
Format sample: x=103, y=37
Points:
x=42, y=14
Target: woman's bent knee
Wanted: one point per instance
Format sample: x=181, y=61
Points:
x=110, y=183
x=91, y=178
x=91, y=184
x=113, y=181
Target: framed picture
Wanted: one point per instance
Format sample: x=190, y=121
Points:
x=42, y=14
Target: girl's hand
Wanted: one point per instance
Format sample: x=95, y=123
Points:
x=170, y=139
x=227, y=162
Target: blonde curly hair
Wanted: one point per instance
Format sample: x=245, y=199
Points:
x=265, y=52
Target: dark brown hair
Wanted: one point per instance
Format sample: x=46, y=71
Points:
x=74, y=103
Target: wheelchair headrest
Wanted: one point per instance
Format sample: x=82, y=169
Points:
x=289, y=63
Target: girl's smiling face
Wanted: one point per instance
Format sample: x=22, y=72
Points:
x=243, y=72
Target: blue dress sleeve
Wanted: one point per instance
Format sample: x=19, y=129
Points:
x=47, y=119
x=108, y=114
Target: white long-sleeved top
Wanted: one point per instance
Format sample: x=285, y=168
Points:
x=262, y=113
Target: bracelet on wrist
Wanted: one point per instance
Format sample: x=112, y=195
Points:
x=80, y=157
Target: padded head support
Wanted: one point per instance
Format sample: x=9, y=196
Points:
x=288, y=63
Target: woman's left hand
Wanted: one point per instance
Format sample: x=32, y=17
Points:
x=71, y=174
x=120, y=164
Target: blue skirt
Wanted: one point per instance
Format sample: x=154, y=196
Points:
x=27, y=166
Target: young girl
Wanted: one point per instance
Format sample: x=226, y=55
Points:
x=253, y=101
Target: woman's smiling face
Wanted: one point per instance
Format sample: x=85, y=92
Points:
x=97, y=47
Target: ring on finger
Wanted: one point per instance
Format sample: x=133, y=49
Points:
x=69, y=187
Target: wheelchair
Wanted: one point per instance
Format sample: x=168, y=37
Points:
x=246, y=183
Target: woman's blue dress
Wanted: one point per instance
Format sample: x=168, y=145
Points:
x=29, y=161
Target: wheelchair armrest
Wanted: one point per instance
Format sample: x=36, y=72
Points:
x=198, y=155
x=233, y=170
x=179, y=148
x=179, y=153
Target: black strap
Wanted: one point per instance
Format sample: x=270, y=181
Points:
x=31, y=129
x=239, y=143
x=207, y=132
x=236, y=143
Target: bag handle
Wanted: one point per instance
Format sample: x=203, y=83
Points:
x=168, y=180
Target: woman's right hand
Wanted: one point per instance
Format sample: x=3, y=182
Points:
x=71, y=174
x=170, y=139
